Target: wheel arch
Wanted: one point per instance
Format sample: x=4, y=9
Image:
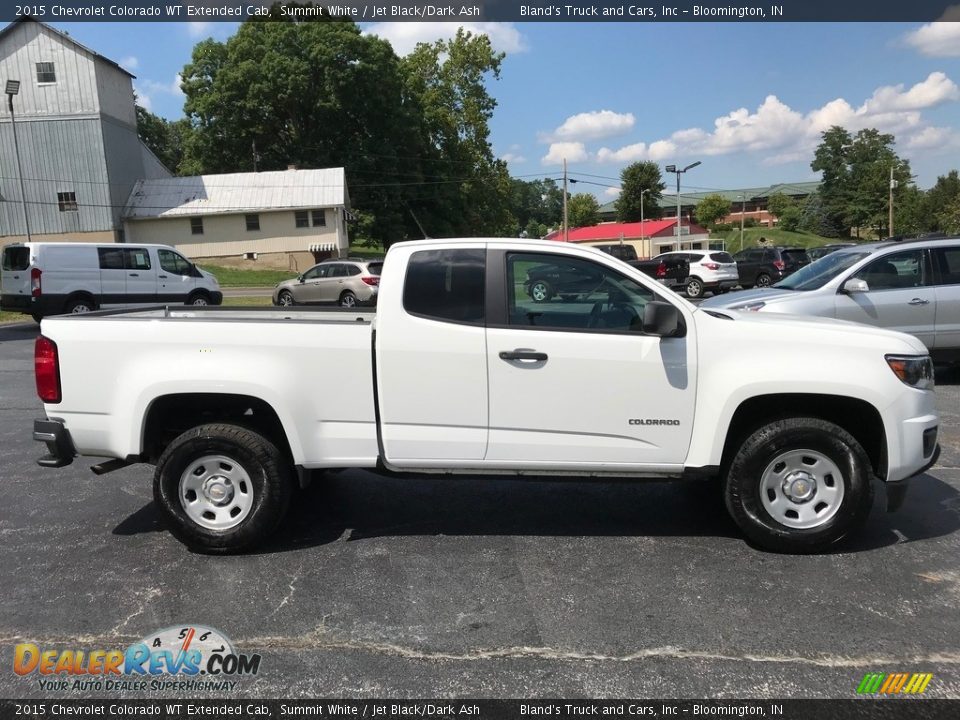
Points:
x=858, y=417
x=168, y=416
x=80, y=294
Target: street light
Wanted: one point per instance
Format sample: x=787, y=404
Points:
x=679, y=172
x=13, y=88
x=743, y=211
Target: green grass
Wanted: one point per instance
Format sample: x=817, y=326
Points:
x=13, y=317
x=367, y=252
x=247, y=301
x=235, y=277
x=775, y=236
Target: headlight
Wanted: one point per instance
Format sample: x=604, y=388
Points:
x=913, y=370
x=750, y=306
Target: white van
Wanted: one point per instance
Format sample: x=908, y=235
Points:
x=42, y=279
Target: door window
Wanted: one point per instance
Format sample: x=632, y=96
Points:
x=137, y=259
x=565, y=293
x=318, y=271
x=948, y=260
x=173, y=263
x=111, y=258
x=16, y=258
x=338, y=270
x=895, y=271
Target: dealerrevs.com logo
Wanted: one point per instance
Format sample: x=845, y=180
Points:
x=191, y=658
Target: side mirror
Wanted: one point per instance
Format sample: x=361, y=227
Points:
x=855, y=285
x=300, y=278
x=663, y=319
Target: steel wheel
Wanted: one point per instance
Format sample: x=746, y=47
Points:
x=285, y=299
x=80, y=306
x=540, y=291
x=801, y=489
x=199, y=300
x=216, y=492
x=348, y=300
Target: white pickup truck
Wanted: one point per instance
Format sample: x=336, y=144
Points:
x=459, y=370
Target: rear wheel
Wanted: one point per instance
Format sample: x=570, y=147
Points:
x=348, y=300
x=799, y=485
x=763, y=280
x=222, y=488
x=694, y=288
x=79, y=305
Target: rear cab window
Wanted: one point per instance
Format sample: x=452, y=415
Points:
x=446, y=285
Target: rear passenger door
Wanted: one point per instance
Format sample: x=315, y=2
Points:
x=946, y=261
x=141, y=276
x=113, y=276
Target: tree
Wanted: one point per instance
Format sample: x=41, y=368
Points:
x=534, y=204
x=910, y=212
x=938, y=198
x=164, y=138
x=949, y=217
x=777, y=203
x=583, y=210
x=634, y=179
x=790, y=217
x=711, y=209
x=856, y=177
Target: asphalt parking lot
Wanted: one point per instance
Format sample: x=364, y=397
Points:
x=477, y=587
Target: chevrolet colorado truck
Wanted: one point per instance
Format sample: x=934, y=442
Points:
x=459, y=370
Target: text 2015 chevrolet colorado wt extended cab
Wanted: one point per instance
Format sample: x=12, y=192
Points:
x=459, y=370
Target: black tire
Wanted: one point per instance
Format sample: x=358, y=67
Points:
x=744, y=492
x=199, y=299
x=540, y=291
x=271, y=486
x=285, y=299
x=78, y=305
x=763, y=280
x=694, y=287
x=347, y=300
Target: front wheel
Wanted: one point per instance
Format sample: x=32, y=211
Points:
x=799, y=485
x=198, y=300
x=540, y=291
x=222, y=488
x=285, y=299
x=694, y=288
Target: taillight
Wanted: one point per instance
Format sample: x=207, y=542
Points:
x=46, y=368
x=711, y=266
x=371, y=279
x=779, y=264
x=35, y=282
x=662, y=270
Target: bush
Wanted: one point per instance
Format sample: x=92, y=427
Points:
x=723, y=227
x=750, y=222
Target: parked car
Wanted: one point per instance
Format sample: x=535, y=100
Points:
x=457, y=372
x=763, y=266
x=712, y=270
x=669, y=271
x=818, y=252
x=346, y=282
x=619, y=251
x=912, y=286
x=564, y=280
x=43, y=278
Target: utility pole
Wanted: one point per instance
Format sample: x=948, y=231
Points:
x=743, y=211
x=13, y=88
x=893, y=184
x=679, y=171
x=566, y=227
x=255, y=156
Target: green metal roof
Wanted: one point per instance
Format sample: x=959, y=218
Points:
x=693, y=198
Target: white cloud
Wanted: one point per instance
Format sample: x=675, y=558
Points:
x=612, y=192
x=130, y=63
x=938, y=39
x=931, y=137
x=513, y=158
x=159, y=88
x=788, y=135
x=571, y=151
x=143, y=100
x=404, y=36
x=198, y=28
x=593, y=126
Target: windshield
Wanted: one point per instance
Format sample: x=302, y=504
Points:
x=818, y=273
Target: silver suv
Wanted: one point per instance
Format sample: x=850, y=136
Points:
x=345, y=281
x=909, y=285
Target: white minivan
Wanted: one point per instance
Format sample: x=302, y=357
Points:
x=42, y=279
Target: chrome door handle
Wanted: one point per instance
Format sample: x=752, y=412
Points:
x=523, y=355
x=918, y=301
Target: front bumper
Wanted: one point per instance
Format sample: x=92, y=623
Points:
x=61, y=450
x=897, y=491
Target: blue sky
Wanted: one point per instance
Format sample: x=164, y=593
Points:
x=746, y=99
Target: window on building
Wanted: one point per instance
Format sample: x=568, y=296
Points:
x=302, y=218
x=253, y=222
x=67, y=201
x=196, y=226
x=46, y=73
x=319, y=218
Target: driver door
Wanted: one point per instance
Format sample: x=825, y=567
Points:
x=311, y=288
x=575, y=383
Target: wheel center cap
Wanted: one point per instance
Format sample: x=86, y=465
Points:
x=218, y=490
x=800, y=487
